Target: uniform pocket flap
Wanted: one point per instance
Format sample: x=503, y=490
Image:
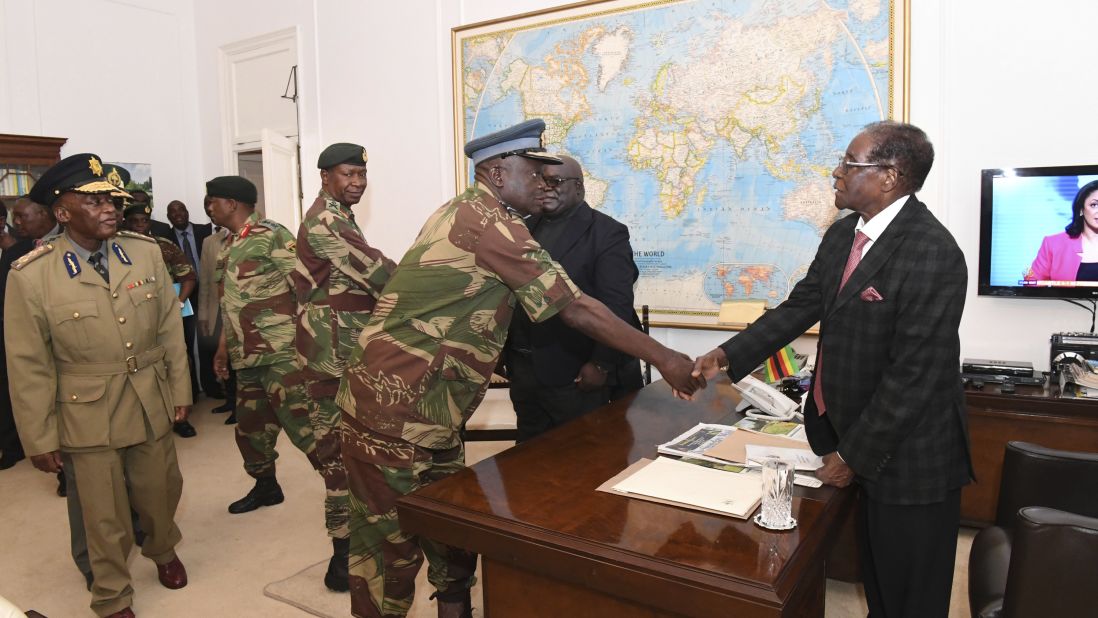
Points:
x=80, y=389
x=73, y=311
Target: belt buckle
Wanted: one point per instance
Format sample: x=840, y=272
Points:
x=131, y=364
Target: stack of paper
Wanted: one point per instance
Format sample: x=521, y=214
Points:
x=683, y=484
x=752, y=447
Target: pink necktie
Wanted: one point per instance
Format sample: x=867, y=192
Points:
x=852, y=260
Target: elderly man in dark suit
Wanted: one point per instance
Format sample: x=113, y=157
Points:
x=557, y=373
x=887, y=412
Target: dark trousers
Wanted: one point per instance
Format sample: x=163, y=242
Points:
x=908, y=553
x=539, y=408
x=9, y=437
x=207, y=346
x=189, y=330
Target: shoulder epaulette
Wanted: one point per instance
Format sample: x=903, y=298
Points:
x=34, y=254
x=268, y=224
x=135, y=235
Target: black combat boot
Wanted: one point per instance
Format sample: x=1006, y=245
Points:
x=454, y=604
x=336, y=579
x=265, y=493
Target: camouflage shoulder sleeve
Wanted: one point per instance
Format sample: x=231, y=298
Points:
x=357, y=260
x=282, y=247
x=541, y=285
x=178, y=266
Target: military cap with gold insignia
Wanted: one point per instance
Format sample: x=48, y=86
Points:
x=336, y=154
x=134, y=209
x=79, y=173
x=232, y=188
x=522, y=139
x=117, y=175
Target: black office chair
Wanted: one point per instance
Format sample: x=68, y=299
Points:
x=1038, y=559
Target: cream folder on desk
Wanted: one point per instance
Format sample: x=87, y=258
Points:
x=695, y=486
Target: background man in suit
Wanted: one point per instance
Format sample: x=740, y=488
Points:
x=887, y=286
x=189, y=238
x=557, y=373
x=95, y=342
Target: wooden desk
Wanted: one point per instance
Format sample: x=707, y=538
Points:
x=1032, y=414
x=554, y=546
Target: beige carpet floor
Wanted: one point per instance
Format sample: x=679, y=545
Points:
x=238, y=565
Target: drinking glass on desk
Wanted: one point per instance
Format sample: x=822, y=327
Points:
x=777, y=497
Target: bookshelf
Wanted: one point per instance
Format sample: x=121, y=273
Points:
x=23, y=158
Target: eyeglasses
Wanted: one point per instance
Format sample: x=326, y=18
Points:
x=846, y=164
x=555, y=181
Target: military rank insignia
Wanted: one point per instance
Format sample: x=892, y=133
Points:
x=72, y=264
x=291, y=247
x=95, y=166
x=115, y=178
x=120, y=253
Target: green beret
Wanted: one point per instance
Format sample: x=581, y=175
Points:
x=232, y=188
x=137, y=209
x=334, y=155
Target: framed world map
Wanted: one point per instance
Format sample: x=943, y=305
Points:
x=709, y=127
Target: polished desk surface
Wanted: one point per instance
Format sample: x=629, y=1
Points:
x=535, y=507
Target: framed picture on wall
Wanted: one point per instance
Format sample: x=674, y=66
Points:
x=708, y=127
x=140, y=177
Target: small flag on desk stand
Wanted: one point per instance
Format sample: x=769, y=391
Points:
x=781, y=365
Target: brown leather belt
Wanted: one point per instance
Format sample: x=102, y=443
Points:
x=132, y=364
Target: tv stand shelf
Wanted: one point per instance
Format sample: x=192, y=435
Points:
x=1030, y=414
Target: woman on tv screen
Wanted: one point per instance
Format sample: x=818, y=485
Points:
x=1071, y=255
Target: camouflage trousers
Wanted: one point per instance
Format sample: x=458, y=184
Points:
x=384, y=560
x=325, y=417
x=270, y=399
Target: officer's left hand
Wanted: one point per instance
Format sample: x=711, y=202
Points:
x=590, y=377
x=835, y=471
x=181, y=413
x=48, y=462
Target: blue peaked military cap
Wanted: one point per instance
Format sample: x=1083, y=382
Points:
x=523, y=139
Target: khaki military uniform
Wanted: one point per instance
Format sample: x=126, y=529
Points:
x=337, y=282
x=101, y=368
x=422, y=367
x=257, y=310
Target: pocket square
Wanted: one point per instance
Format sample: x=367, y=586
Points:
x=871, y=295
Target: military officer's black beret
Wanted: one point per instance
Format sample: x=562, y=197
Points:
x=136, y=209
x=233, y=188
x=117, y=175
x=79, y=173
x=336, y=154
x=523, y=139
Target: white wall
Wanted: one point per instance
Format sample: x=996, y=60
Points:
x=114, y=78
x=994, y=82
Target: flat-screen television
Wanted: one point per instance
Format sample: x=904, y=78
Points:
x=1023, y=215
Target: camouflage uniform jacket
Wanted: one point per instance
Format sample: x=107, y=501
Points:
x=435, y=336
x=257, y=296
x=178, y=265
x=338, y=280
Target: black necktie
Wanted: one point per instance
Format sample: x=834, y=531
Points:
x=187, y=247
x=96, y=260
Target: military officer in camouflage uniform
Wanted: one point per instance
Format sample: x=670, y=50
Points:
x=338, y=280
x=257, y=308
x=137, y=218
x=95, y=345
x=426, y=355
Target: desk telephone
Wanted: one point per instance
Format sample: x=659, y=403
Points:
x=770, y=404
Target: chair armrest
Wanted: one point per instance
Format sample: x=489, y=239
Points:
x=1051, y=565
x=1037, y=476
x=988, y=565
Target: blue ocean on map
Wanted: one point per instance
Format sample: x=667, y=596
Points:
x=710, y=128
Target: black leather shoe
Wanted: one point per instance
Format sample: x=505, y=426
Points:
x=10, y=458
x=265, y=493
x=223, y=408
x=232, y=419
x=184, y=429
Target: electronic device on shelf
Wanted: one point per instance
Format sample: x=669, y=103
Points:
x=988, y=378
x=1070, y=345
x=1022, y=369
x=1019, y=207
